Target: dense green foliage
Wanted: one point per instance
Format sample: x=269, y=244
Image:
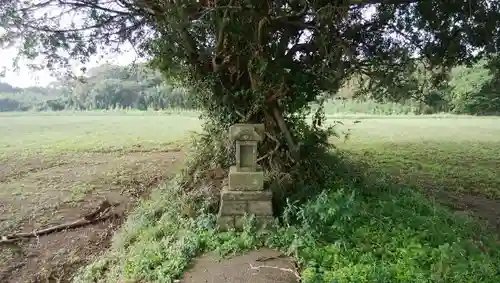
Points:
x=364, y=233
x=475, y=90
x=470, y=90
x=369, y=230
x=104, y=87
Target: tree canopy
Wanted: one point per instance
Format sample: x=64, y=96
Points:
x=264, y=61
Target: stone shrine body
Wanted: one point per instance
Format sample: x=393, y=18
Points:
x=245, y=194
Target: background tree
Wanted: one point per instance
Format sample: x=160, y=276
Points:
x=104, y=87
x=260, y=61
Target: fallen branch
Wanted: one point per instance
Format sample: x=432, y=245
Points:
x=295, y=273
x=98, y=215
x=272, y=151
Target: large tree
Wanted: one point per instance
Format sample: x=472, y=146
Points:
x=263, y=61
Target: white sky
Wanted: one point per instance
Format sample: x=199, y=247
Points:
x=25, y=77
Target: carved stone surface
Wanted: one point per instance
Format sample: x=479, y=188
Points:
x=246, y=155
x=233, y=207
x=226, y=194
x=245, y=193
x=236, y=222
x=263, y=208
x=246, y=132
x=245, y=181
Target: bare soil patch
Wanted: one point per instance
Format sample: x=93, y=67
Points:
x=260, y=266
x=479, y=206
x=42, y=191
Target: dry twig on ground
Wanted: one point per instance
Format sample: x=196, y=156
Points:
x=100, y=214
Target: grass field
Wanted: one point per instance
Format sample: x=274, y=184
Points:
x=55, y=166
x=455, y=154
x=32, y=133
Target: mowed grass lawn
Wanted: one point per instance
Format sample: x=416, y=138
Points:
x=386, y=237
x=42, y=154
x=47, y=133
x=455, y=154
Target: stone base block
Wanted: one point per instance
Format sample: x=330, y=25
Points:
x=233, y=207
x=227, y=195
x=238, y=203
x=262, y=222
x=245, y=181
x=237, y=207
x=236, y=222
x=260, y=208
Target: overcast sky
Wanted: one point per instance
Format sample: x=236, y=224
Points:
x=25, y=77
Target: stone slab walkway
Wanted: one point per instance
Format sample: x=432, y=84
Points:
x=260, y=266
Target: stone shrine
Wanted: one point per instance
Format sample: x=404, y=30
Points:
x=245, y=192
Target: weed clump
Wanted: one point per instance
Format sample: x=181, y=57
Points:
x=346, y=236
x=350, y=232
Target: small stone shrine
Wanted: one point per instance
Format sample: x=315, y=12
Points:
x=245, y=192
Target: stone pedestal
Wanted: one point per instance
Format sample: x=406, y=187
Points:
x=245, y=194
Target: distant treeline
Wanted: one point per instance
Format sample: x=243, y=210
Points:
x=104, y=87
x=471, y=90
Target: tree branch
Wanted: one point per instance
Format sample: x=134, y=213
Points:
x=37, y=6
x=291, y=17
x=219, y=45
x=383, y=2
x=288, y=136
x=98, y=215
x=269, y=153
x=301, y=47
x=48, y=29
x=93, y=5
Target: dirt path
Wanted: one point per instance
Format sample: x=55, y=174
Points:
x=259, y=266
x=44, y=191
